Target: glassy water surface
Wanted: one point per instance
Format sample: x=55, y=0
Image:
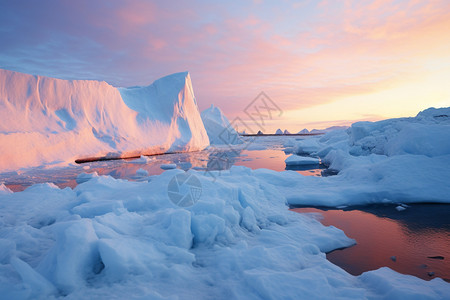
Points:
x=261, y=152
x=415, y=241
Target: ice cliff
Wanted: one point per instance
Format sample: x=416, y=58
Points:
x=48, y=121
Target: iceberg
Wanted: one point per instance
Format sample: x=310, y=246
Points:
x=48, y=121
x=279, y=132
x=218, y=127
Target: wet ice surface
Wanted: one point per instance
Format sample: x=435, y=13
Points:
x=413, y=241
x=258, y=152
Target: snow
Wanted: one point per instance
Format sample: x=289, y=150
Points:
x=218, y=127
x=401, y=160
x=52, y=121
x=286, y=132
x=111, y=238
x=278, y=131
x=296, y=160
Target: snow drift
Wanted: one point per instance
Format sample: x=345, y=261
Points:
x=219, y=129
x=48, y=121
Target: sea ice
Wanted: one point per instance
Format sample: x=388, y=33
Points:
x=404, y=160
x=141, y=172
x=296, y=160
x=168, y=166
x=111, y=238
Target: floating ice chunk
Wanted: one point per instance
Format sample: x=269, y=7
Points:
x=142, y=160
x=83, y=177
x=168, y=166
x=296, y=160
x=142, y=172
x=400, y=208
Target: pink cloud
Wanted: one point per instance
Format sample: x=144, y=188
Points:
x=302, y=54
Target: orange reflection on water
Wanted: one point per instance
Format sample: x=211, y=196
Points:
x=270, y=159
x=267, y=159
x=380, y=238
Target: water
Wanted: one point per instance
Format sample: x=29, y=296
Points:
x=380, y=231
x=411, y=236
x=262, y=152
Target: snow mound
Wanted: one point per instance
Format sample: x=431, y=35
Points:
x=51, y=121
x=219, y=129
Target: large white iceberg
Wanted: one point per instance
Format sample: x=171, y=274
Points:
x=49, y=121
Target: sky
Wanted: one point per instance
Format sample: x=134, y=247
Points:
x=322, y=63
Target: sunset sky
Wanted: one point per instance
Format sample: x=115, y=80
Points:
x=322, y=62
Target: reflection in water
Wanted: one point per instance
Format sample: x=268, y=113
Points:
x=263, y=152
x=382, y=233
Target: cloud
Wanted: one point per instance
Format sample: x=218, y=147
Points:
x=303, y=54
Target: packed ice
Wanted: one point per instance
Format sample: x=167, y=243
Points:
x=401, y=160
